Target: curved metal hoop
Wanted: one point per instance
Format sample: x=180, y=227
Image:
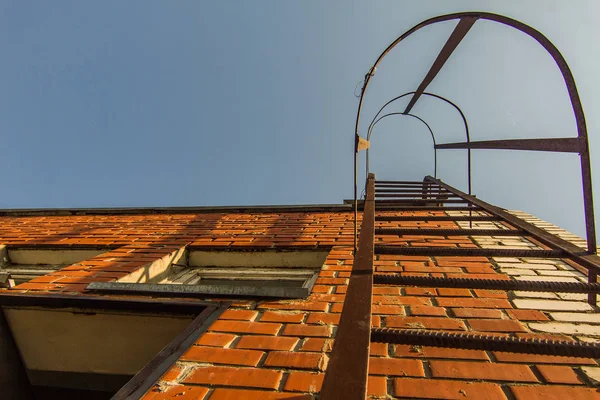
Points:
x=466, y=20
x=462, y=115
x=408, y=115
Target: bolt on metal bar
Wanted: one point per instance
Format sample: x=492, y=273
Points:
x=449, y=232
x=485, y=342
x=492, y=284
x=465, y=252
x=352, y=340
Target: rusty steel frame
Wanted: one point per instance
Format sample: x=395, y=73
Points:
x=353, y=336
x=372, y=126
x=486, y=342
x=468, y=252
x=384, y=218
x=561, y=145
x=449, y=232
x=466, y=20
x=493, y=284
x=456, y=107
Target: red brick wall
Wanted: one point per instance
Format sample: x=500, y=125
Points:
x=280, y=349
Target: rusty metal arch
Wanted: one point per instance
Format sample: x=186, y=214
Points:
x=456, y=107
x=576, y=145
x=408, y=115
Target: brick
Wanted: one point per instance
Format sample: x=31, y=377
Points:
x=404, y=350
x=241, y=315
x=228, y=376
x=283, y=317
x=476, y=313
x=395, y=367
x=306, y=382
x=302, y=330
x=306, y=360
x=331, y=281
x=172, y=374
x=449, y=292
x=480, y=370
x=376, y=386
x=386, y=290
x=420, y=291
x=321, y=289
x=237, y=394
x=223, y=356
x=302, y=305
x=554, y=392
x=378, y=349
x=527, y=315
x=552, y=305
x=472, y=303
x=541, y=359
x=576, y=317
x=559, y=374
x=215, y=339
x=492, y=294
x=323, y=318
x=178, y=392
x=387, y=310
x=265, y=328
x=565, y=328
x=424, y=322
x=316, y=344
x=592, y=372
x=445, y=389
x=496, y=325
x=401, y=300
x=427, y=311
x=267, y=343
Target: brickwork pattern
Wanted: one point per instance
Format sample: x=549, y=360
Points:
x=280, y=349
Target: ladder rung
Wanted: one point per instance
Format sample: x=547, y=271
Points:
x=432, y=200
x=460, y=251
x=427, y=218
x=485, y=342
x=492, y=284
x=403, y=183
x=429, y=207
x=450, y=232
x=421, y=195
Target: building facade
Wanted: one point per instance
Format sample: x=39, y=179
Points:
x=245, y=303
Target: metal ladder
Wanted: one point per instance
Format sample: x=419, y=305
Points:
x=346, y=376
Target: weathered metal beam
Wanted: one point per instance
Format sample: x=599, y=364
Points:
x=346, y=375
x=468, y=252
x=492, y=284
x=428, y=218
x=449, y=232
x=563, y=145
x=485, y=342
x=461, y=29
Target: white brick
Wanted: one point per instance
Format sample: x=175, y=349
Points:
x=536, y=295
x=561, y=273
x=516, y=271
x=576, y=317
x=507, y=260
x=565, y=328
x=552, y=305
x=592, y=372
x=527, y=266
x=546, y=279
x=573, y=296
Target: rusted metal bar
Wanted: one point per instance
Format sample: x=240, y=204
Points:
x=427, y=194
x=468, y=252
x=428, y=218
x=427, y=207
x=462, y=28
x=493, y=284
x=419, y=201
x=485, y=342
x=448, y=232
x=592, y=280
x=416, y=183
x=346, y=375
x=563, y=145
x=590, y=261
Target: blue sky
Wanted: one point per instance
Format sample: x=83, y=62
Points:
x=156, y=103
